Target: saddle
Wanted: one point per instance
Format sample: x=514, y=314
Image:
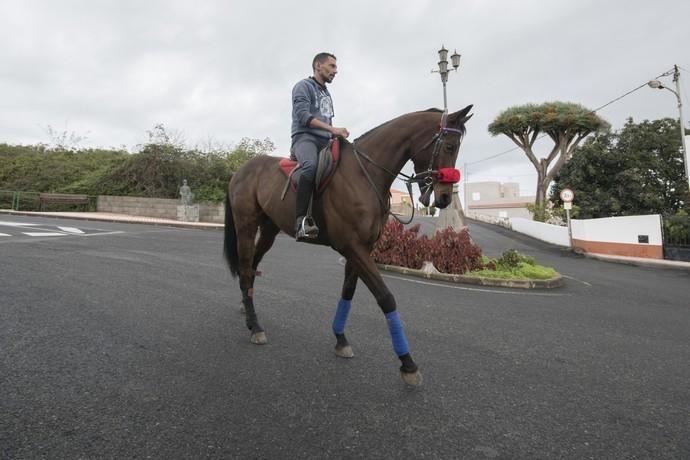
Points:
x=329, y=158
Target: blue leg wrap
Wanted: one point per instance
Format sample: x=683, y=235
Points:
x=397, y=333
x=341, y=316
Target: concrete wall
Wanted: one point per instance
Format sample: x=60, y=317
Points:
x=138, y=206
x=553, y=234
x=630, y=236
x=161, y=208
x=500, y=221
x=212, y=212
x=621, y=236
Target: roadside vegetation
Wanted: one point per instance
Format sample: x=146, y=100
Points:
x=512, y=265
x=156, y=170
x=453, y=253
x=638, y=170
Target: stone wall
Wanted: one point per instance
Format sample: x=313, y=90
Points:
x=161, y=208
x=212, y=212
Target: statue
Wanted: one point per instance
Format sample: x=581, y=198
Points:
x=186, y=195
x=186, y=210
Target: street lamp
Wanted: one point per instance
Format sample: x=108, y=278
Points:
x=656, y=84
x=444, y=70
x=451, y=216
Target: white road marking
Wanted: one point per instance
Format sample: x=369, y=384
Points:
x=341, y=260
x=48, y=230
x=71, y=230
x=575, y=279
x=103, y=233
x=18, y=224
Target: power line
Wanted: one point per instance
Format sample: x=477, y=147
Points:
x=505, y=175
x=493, y=156
x=619, y=97
x=665, y=74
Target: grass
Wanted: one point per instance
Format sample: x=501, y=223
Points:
x=512, y=265
x=522, y=272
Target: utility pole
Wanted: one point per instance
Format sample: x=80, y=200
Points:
x=464, y=186
x=676, y=79
x=659, y=85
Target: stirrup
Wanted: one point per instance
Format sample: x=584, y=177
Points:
x=307, y=229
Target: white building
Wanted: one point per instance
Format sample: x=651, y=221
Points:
x=496, y=199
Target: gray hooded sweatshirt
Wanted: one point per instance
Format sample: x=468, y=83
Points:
x=310, y=100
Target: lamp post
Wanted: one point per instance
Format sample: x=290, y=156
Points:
x=658, y=85
x=444, y=70
x=451, y=216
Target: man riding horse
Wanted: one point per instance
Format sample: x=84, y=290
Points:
x=351, y=211
x=312, y=129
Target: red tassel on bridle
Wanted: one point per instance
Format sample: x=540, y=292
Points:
x=448, y=176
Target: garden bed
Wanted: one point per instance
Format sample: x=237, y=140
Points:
x=452, y=256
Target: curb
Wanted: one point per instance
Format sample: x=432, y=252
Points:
x=134, y=220
x=432, y=273
x=638, y=262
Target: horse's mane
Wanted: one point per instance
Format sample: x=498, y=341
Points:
x=372, y=130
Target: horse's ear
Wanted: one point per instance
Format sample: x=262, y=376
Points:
x=460, y=117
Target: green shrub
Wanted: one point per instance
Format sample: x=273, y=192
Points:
x=676, y=228
x=511, y=259
x=156, y=171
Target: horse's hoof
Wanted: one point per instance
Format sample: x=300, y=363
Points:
x=412, y=378
x=259, y=338
x=344, y=352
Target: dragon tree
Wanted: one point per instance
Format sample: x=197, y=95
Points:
x=566, y=123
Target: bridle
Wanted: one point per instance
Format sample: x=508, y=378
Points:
x=426, y=178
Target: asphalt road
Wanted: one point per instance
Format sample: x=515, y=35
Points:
x=126, y=341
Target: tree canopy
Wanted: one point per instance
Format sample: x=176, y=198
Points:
x=638, y=170
x=566, y=123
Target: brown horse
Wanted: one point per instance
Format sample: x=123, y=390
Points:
x=350, y=212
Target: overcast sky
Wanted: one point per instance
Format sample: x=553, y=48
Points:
x=224, y=70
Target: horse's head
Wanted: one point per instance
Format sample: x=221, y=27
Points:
x=435, y=160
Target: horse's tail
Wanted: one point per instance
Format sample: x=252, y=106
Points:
x=230, y=240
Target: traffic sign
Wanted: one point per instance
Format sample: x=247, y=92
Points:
x=567, y=195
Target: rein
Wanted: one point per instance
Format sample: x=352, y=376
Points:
x=384, y=205
x=427, y=177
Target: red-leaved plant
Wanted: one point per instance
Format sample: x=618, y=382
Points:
x=448, y=250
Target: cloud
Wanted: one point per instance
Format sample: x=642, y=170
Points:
x=224, y=70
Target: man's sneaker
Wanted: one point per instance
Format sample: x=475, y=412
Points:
x=306, y=229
